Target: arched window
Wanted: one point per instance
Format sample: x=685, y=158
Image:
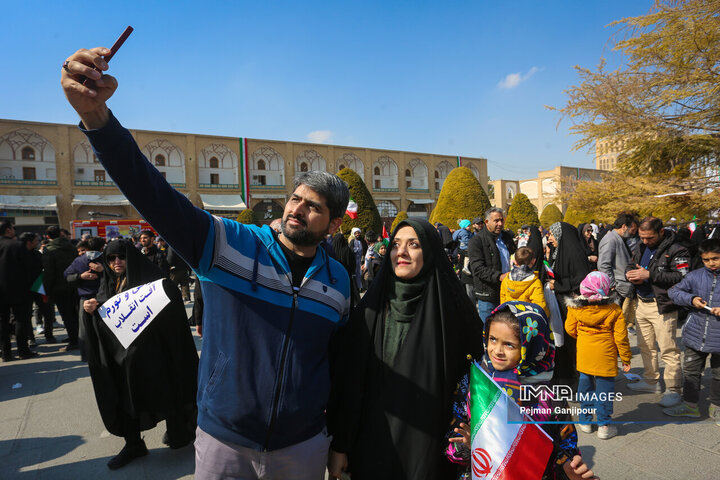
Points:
x=377, y=170
x=386, y=208
x=214, y=162
x=160, y=160
x=437, y=174
x=28, y=153
x=261, y=164
x=407, y=172
x=303, y=167
x=341, y=167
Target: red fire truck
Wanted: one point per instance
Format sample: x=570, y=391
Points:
x=108, y=229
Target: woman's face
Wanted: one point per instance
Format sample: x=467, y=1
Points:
x=406, y=254
x=503, y=346
x=117, y=263
x=552, y=240
x=587, y=232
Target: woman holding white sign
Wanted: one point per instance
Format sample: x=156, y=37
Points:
x=154, y=378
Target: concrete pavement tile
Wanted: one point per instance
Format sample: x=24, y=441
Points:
x=609, y=467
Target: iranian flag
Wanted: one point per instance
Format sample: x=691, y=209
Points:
x=38, y=286
x=352, y=209
x=503, y=447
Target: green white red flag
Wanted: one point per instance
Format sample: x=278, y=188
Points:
x=352, y=209
x=504, y=445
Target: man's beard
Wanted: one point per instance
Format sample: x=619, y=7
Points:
x=301, y=238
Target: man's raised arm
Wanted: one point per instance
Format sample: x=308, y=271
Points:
x=184, y=226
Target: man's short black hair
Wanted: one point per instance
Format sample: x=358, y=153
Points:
x=149, y=233
x=651, y=223
x=5, y=226
x=83, y=244
x=711, y=245
x=96, y=244
x=52, y=232
x=27, y=237
x=626, y=219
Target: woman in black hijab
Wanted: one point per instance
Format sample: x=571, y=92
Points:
x=407, y=346
x=155, y=378
x=570, y=266
x=590, y=245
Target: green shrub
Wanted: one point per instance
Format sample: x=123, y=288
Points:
x=521, y=212
x=402, y=215
x=368, y=217
x=461, y=197
x=248, y=217
x=550, y=215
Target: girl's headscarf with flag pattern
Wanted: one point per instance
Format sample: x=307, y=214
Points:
x=537, y=348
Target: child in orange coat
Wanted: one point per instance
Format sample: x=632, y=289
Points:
x=599, y=326
x=521, y=283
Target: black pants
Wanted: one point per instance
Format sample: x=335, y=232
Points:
x=565, y=372
x=67, y=305
x=693, y=367
x=23, y=314
x=44, y=314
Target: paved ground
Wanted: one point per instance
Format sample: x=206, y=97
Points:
x=50, y=428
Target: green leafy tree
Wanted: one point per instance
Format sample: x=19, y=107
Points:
x=660, y=106
x=521, y=212
x=461, y=197
x=368, y=217
x=402, y=215
x=248, y=217
x=550, y=215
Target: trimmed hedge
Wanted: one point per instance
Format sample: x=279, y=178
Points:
x=248, y=217
x=521, y=212
x=368, y=217
x=402, y=215
x=461, y=197
x=550, y=214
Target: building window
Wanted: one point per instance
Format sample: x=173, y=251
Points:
x=214, y=162
x=303, y=167
x=215, y=178
x=377, y=183
x=387, y=209
x=159, y=160
x=377, y=170
x=408, y=184
x=261, y=164
x=28, y=153
x=259, y=180
x=29, y=173
x=99, y=175
x=407, y=173
x=342, y=167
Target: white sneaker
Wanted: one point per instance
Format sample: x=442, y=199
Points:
x=607, y=431
x=643, y=386
x=670, y=399
x=585, y=427
x=40, y=329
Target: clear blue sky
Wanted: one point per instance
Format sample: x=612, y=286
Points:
x=433, y=77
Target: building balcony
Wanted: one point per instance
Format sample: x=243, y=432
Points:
x=219, y=186
x=94, y=183
x=417, y=190
x=18, y=181
x=256, y=186
x=178, y=185
x=386, y=189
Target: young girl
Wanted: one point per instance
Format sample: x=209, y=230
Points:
x=598, y=324
x=519, y=350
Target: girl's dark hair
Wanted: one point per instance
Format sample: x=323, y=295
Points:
x=506, y=317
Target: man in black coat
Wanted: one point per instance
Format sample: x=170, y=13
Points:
x=153, y=253
x=489, y=252
x=15, y=283
x=658, y=263
x=57, y=256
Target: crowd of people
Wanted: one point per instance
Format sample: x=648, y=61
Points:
x=300, y=372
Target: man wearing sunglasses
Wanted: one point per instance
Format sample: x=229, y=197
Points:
x=273, y=301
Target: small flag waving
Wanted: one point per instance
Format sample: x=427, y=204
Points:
x=503, y=447
x=548, y=269
x=352, y=209
x=385, y=233
x=38, y=286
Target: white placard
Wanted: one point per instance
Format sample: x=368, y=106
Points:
x=128, y=313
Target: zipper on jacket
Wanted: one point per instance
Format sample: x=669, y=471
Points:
x=707, y=320
x=281, y=373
